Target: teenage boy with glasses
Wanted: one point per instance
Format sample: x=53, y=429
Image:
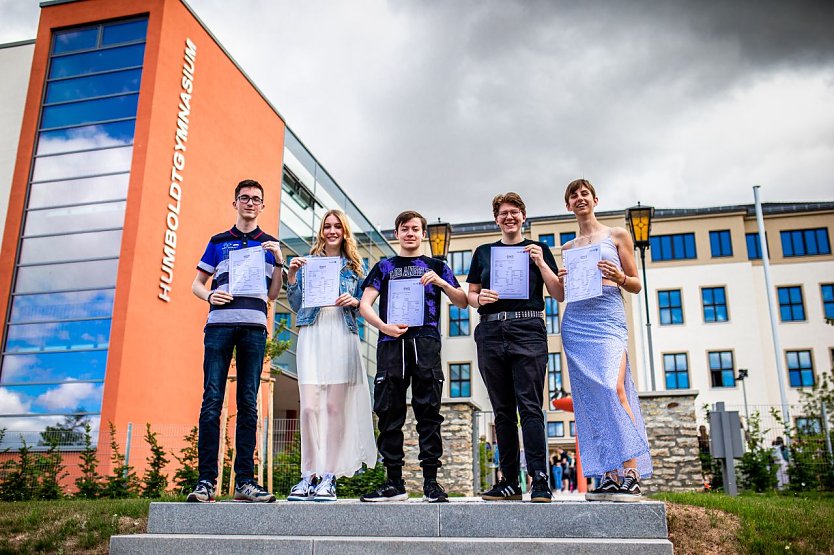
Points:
x=236, y=324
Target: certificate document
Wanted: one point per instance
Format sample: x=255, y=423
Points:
x=584, y=279
x=509, y=272
x=406, y=302
x=247, y=273
x=321, y=281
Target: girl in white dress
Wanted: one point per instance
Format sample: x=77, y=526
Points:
x=337, y=433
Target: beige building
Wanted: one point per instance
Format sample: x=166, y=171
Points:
x=707, y=303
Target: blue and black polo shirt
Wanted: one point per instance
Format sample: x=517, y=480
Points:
x=242, y=311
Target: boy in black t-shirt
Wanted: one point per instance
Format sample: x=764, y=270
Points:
x=409, y=355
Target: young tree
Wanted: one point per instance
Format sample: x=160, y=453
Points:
x=89, y=483
x=122, y=482
x=20, y=479
x=187, y=474
x=51, y=469
x=154, y=481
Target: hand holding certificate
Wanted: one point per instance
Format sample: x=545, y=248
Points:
x=406, y=302
x=509, y=272
x=321, y=281
x=584, y=280
x=247, y=272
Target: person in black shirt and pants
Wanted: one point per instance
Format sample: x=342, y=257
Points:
x=512, y=352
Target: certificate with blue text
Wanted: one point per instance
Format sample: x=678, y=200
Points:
x=509, y=272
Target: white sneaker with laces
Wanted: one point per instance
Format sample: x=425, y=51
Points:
x=304, y=490
x=326, y=490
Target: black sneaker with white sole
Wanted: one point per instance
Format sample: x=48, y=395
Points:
x=203, y=493
x=389, y=491
x=540, y=489
x=503, y=491
x=629, y=491
x=606, y=489
x=434, y=492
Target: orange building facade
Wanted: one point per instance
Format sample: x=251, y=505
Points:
x=137, y=126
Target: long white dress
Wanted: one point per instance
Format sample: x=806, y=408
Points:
x=337, y=431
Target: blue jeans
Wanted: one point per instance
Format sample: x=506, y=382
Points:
x=220, y=342
x=557, y=477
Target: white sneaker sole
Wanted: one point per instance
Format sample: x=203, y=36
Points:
x=399, y=497
x=299, y=498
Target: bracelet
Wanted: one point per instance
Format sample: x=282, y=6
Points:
x=479, y=300
x=625, y=279
x=279, y=264
x=208, y=297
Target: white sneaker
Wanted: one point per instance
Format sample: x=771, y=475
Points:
x=302, y=491
x=326, y=490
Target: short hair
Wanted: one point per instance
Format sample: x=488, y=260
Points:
x=248, y=183
x=409, y=215
x=509, y=198
x=577, y=184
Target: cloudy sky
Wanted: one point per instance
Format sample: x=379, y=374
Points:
x=439, y=105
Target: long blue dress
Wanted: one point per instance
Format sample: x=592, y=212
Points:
x=595, y=337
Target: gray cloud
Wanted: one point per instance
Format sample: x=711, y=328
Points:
x=439, y=105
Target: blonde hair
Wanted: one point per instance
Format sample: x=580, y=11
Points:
x=348, y=249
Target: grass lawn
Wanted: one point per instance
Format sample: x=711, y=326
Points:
x=69, y=525
x=774, y=522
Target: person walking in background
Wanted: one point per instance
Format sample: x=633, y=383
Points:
x=409, y=356
x=556, y=471
x=512, y=349
x=236, y=325
x=565, y=461
x=337, y=430
x=609, y=424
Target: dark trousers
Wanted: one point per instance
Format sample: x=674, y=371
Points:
x=512, y=359
x=248, y=343
x=401, y=363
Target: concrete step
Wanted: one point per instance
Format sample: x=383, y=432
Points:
x=458, y=519
x=186, y=544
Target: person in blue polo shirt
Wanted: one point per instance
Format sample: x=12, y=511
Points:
x=236, y=324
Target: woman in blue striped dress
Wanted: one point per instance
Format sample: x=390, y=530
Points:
x=609, y=424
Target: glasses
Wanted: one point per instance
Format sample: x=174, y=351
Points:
x=508, y=213
x=246, y=199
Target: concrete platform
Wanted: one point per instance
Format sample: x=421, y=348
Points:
x=165, y=544
x=463, y=526
x=466, y=519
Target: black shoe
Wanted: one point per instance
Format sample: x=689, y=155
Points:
x=540, y=492
x=607, y=488
x=434, y=492
x=629, y=490
x=503, y=491
x=389, y=491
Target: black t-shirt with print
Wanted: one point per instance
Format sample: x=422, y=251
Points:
x=479, y=274
x=411, y=267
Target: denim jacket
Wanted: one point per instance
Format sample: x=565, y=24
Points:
x=349, y=282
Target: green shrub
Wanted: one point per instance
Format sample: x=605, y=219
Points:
x=188, y=473
x=154, y=481
x=89, y=483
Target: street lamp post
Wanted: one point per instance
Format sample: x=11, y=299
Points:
x=639, y=222
x=742, y=377
x=440, y=234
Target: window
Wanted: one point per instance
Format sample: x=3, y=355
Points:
x=554, y=375
x=827, y=290
x=58, y=327
x=680, y=246
x=285, y=319
x=722, y=369
x=551, y=315
x=800, y=368
x=714, y=300
x=460, y=381
x=676, y=367
x=555, y=429
x=808, y=426
x=572, y=427
x=720, y=243
x=805, y=242
x=566, y=236
x=458, y=321
x=671, y=309
x=460, y=261
x=791, y=307
x=754, y=246
x=548, y=239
